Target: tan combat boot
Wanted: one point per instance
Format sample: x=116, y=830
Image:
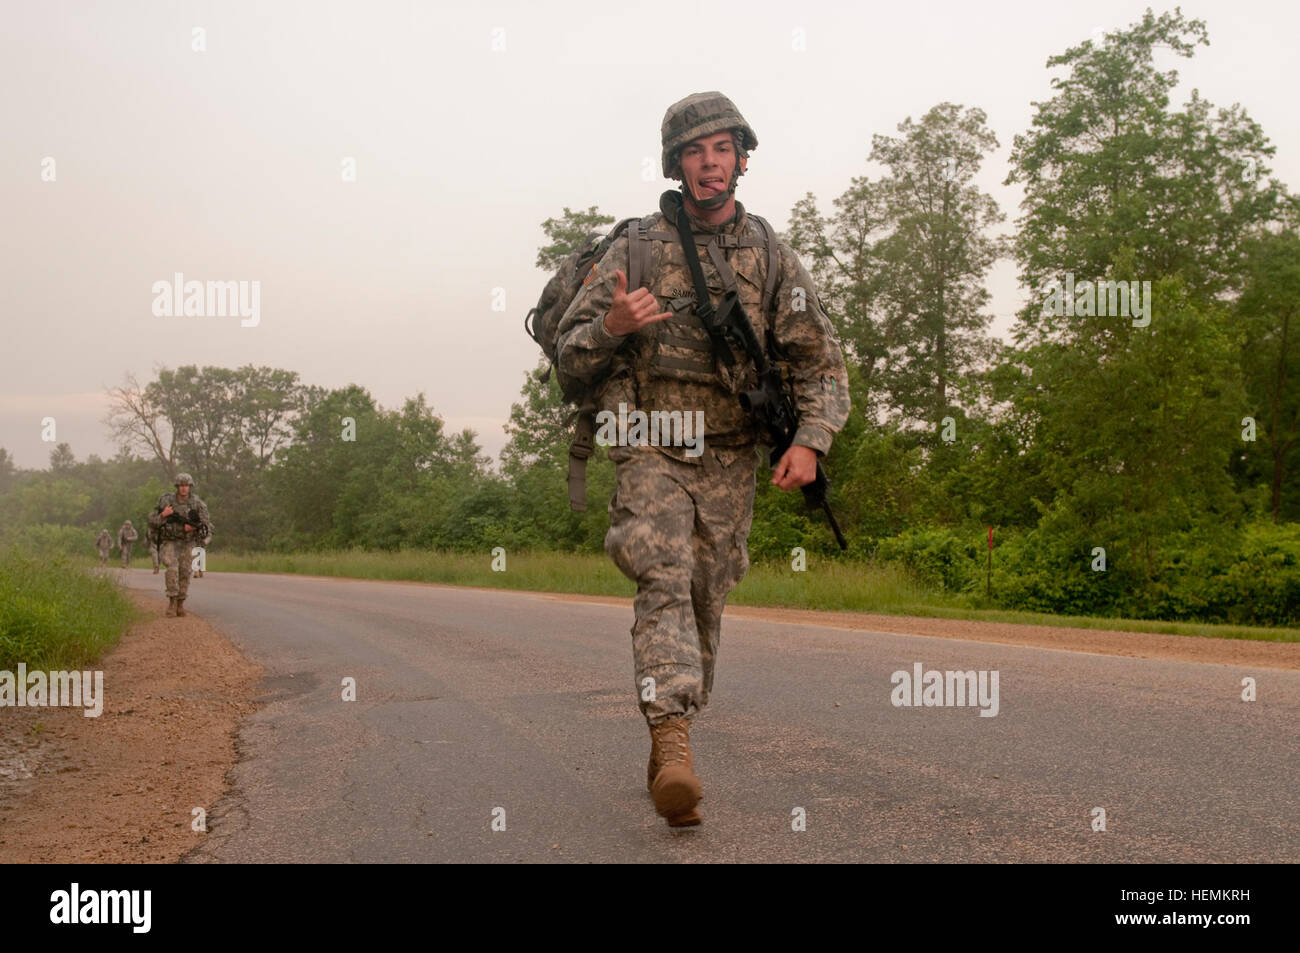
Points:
x=676, y=790
x=652, y=767
x=171, y=606
x=180, y=605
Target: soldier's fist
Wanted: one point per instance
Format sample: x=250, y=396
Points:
x=632, y=312
x=797, y=467
x=167, y=510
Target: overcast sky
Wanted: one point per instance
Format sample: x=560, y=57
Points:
x=226, y=164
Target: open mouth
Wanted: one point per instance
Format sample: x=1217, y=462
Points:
x=713, y=183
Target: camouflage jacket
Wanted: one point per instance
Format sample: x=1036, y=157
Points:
x=166, y=528
x=668, y=365
x=126, y=534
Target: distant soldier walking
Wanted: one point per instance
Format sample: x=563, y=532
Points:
x=103, y=543
x=126, y=537
x=179, y=520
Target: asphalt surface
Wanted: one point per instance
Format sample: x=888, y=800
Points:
x=474, y=705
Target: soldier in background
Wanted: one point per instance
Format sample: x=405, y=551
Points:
x=154, y=549
x=126, y=536
x=104, y=544
x=679, y=525
x=180, y=519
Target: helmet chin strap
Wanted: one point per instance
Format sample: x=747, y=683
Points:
x=718, y=200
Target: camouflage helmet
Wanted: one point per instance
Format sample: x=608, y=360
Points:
x=700, y=114
x=183, y=479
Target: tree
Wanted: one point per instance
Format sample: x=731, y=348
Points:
x=1268, y=309
x=266, y=399
x=62, y=459
x=567, y=233
x=1110, y=173
x=929, y=281
x=903, y=262
x=136, y=420
x=8, y=472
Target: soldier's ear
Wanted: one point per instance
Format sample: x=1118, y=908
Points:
x=744, y=161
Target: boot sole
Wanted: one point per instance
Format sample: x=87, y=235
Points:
x=675, y=797
x=650, y=789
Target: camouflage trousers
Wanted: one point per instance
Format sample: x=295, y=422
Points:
x=103, y=557
x=154, y=554
x=680, y=531
x=126, y=555
x=176, y=555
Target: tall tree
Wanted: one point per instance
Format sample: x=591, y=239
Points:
x=1269, y=309
x=1110, y=172
x=135, y=420
x=902, y=262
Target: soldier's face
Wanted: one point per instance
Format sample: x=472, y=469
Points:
x=707, y=164
x=183, y=491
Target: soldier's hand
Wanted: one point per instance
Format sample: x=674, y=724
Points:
x=167, y=510
x=797, y=467
x=189, y=528
x=632, y=312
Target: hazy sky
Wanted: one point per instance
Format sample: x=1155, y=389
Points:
x=227, y=164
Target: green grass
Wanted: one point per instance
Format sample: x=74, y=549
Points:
x=55, y=613
x=847, y=587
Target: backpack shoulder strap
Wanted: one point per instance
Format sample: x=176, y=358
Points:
x=773, y=264
x=638, y=248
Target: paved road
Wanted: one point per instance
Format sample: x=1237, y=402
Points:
x=469, y=701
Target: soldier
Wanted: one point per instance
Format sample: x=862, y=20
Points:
x=679, y=519
x=179, y=520
x=154, y=549
x=104, y=544
x=125, y=537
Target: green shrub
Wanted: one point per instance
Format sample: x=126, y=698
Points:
x=55, y=614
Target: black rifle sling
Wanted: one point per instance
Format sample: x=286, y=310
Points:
x=703, y=303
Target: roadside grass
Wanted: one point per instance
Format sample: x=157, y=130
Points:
x=844, y=587
x=57, y=613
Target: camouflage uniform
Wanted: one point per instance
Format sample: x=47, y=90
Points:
x=679, y=525
x=104, y=544
x=125, y=537
x=176, y=543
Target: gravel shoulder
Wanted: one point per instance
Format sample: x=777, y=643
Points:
x=120, y=787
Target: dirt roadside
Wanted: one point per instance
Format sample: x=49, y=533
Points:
x=120, y=788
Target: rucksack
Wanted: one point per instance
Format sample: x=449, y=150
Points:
x=543, y=322
x=543, y=325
